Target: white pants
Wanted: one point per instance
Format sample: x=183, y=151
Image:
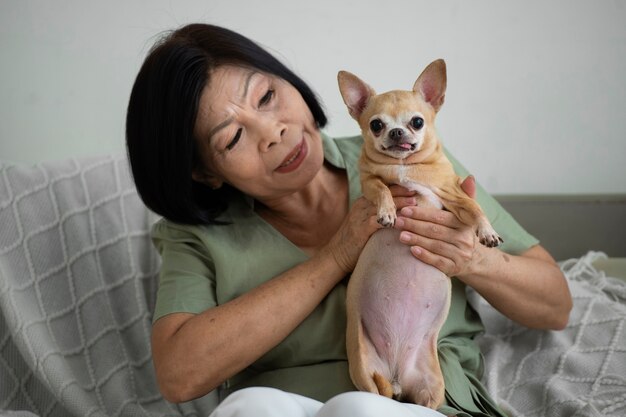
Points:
x=270, y=402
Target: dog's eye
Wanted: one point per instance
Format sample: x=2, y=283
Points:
x=376, y=125
x=417, y=123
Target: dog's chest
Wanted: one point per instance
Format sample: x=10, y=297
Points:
x=401, y=174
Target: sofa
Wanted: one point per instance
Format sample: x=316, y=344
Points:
x=78, y=277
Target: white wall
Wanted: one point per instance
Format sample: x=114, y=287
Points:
x=536, y=97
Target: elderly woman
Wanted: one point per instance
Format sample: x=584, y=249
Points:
x=263, y=223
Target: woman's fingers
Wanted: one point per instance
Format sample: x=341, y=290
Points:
x=437, y=238
x=429, y=215
x=442, y=263
x=400, y=191
x=469, y=186
x=347, y=243
x=402, y=202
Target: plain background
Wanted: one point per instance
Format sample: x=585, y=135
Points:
x=536, y=99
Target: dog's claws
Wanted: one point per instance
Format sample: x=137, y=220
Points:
x=490, y=240
x=386, y=218
x=386, y=221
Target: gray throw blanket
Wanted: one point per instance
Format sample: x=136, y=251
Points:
x=577, y=372
x=77, y=287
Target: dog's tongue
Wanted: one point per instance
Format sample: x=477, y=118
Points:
x=405, y=145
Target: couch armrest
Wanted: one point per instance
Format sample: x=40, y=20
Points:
x=570, y=225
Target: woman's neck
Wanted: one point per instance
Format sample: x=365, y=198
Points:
x=312, y=215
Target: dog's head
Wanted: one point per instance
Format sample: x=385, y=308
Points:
x=398, y=123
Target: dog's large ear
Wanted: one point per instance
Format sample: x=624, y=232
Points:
x=356, y=93
x=431, y=84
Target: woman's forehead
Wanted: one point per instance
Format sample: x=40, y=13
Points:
x=228, y=87
x=229, y=79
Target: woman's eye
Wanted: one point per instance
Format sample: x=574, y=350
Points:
x=233, y=142
x=266, y=98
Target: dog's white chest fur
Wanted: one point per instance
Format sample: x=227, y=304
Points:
x=424, y=191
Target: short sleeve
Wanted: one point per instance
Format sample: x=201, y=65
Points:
x=516, y=238
x=187, y=276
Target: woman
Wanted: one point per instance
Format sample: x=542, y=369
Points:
x=263, y=223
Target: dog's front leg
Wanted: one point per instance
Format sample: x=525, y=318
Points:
x=375, y=190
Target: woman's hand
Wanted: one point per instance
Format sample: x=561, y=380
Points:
x=528, y=288
x=360, y=223
x=438, y=238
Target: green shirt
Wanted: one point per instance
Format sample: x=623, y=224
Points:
x=205, y=266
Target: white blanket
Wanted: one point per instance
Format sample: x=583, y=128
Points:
x=580, y=371
x=77, y=287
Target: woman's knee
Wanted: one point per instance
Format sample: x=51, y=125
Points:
x=265, y=402
x=364, y=404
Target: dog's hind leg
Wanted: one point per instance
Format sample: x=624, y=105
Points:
x=368, y=372
x=423, y=382
x=383, y=385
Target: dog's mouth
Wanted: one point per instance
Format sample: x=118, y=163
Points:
x=400, y=147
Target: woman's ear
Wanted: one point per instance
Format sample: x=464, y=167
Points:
x=206, y=178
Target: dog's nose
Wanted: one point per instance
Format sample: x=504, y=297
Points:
x=396, y=134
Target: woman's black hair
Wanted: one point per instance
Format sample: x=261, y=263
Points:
x=162, y=113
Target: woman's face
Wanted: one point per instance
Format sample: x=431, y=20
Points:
x=256, y=133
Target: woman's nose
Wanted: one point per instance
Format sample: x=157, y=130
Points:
x=271, y=132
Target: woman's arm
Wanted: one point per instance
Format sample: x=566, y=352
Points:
x=194, y=354
x=529, y=289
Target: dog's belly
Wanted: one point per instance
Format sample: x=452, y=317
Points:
x=402, y=304
x=400, y=314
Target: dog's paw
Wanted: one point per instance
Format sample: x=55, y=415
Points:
x=386, y=218
x=487, y=236
x=491, y=241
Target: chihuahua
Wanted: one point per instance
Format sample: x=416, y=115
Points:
x=396, y=305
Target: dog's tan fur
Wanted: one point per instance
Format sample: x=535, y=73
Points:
x=427, y=166
x=421, y=165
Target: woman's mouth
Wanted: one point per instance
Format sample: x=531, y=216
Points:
x=294, y=159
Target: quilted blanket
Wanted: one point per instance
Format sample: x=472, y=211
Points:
x=580, y=371
x=77, y=286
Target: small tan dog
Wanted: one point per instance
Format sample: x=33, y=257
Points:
x=396, y=304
